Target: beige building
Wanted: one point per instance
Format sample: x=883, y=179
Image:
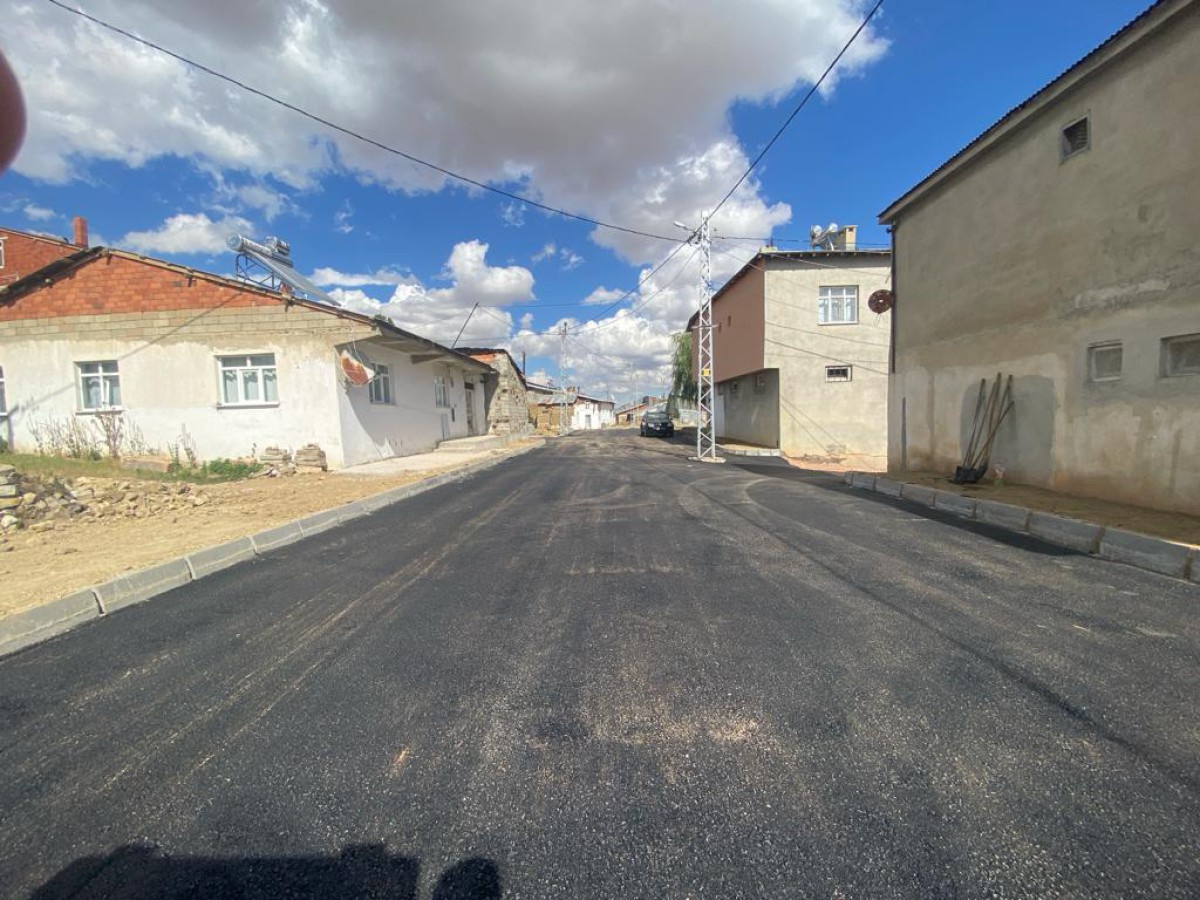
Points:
x=1060, y=247
x=801, y=362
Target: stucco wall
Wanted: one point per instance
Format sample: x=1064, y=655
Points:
x=1023, y=259
x=410, y=423
x=169, y=376
x=821, y=419
x=737, y=328
x=747, y=408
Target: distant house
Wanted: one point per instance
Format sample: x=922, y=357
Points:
x=1060, y=247
x=505, y=391
x=547, y=404
x=230, y=367
x=800, y=360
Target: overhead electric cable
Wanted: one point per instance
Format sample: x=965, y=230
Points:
x=349, y=132
x=795, y=112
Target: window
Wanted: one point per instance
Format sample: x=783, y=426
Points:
x=1105, y=361
x=248, y=379
x=3, y=405
x=1181, y=355
x=380, y=387
x=1, y=253
x=439, y=391
x=838, y=305
x=99, y=385
x=838, y=373
x=1076, y=137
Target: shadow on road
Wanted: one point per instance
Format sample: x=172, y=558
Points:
x=363, y=870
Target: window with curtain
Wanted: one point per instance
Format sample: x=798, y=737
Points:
x=247, y=380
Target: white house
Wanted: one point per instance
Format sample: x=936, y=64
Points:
x=232, y=368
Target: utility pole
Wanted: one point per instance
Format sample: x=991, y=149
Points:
x=706, y=426
x=464, y=326
x=562, y=378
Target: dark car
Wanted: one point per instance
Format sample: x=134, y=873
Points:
x=657, y=423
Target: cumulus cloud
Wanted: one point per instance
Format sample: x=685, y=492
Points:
x=35, y=213
x=476, y=294
x=548, y=98
x=186, y=233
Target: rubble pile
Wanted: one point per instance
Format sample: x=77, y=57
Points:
x=40, y=503
x=275, y=462
x=311, y=457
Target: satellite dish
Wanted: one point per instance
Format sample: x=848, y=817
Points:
x=356, y=367
x=881, y=301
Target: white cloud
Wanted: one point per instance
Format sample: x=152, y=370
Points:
x=602, y=296
x=327, y=277
x=341, y=218
x=186, y=233
x=36, y=213
x=439, y=313
x=570, y=259
x=549, y=98
x=547, y=251
x=512, y=214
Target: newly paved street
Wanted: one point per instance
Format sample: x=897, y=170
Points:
x=599, y=670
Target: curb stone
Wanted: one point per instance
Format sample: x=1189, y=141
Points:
x=64, y=613
x=214, y=559
x=1082, y=536
x=1145, y=552
x=137, y=587
x=1141, y=551
x=44, y=622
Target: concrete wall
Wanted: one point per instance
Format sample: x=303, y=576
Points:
x=506, y=400
x=737, y=327
x=820, y=419
x=747, y=408
x=410, y=423
x=1020, y=261
x=588, y=413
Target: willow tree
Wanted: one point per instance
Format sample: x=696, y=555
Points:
x=683, y=372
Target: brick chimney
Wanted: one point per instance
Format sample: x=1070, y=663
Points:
x=81, y=235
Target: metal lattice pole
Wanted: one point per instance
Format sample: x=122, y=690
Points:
x=706, y=435
x=562, y=378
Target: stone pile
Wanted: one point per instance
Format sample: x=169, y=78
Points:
x=42, y=503
x=311, y=457
x=276, y=462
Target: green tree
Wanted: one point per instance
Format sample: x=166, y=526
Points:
x=683, y=372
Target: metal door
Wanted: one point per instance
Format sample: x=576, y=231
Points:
x=470, y=408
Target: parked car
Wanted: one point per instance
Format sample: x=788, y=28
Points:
x=658, y=423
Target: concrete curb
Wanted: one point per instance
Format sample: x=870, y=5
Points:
x=59, y=616
x=1141, y=551
x=44, y=622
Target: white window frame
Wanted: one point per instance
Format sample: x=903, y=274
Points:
x=440, y=399
x=832, y=379
x=1, y=253
x=3, y=402
x=380, y=388
x=1101, y=347
x=107, y=379
x=1167, y=343
x=826, y=298
x=261, y=368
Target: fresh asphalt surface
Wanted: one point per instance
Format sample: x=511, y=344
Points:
x=600, y=670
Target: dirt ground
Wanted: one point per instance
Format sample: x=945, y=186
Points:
x=38, y=567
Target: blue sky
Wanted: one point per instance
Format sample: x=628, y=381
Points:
x=639, y=117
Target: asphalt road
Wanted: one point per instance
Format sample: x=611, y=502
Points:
x=600, y=670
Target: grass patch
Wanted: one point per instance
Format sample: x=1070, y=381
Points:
x=66, y=468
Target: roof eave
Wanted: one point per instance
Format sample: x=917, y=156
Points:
x=1148, y=22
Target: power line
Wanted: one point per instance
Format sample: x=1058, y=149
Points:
x=349, y=132
x=795, y=112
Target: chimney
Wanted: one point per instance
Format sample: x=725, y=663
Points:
x=845, y=239
x=81, y=236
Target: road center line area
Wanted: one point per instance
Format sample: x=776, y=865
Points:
x=601, y=670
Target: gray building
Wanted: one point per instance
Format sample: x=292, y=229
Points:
x=1060, y=247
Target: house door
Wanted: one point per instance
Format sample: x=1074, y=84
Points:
x=445, y=427
x=470, y=408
